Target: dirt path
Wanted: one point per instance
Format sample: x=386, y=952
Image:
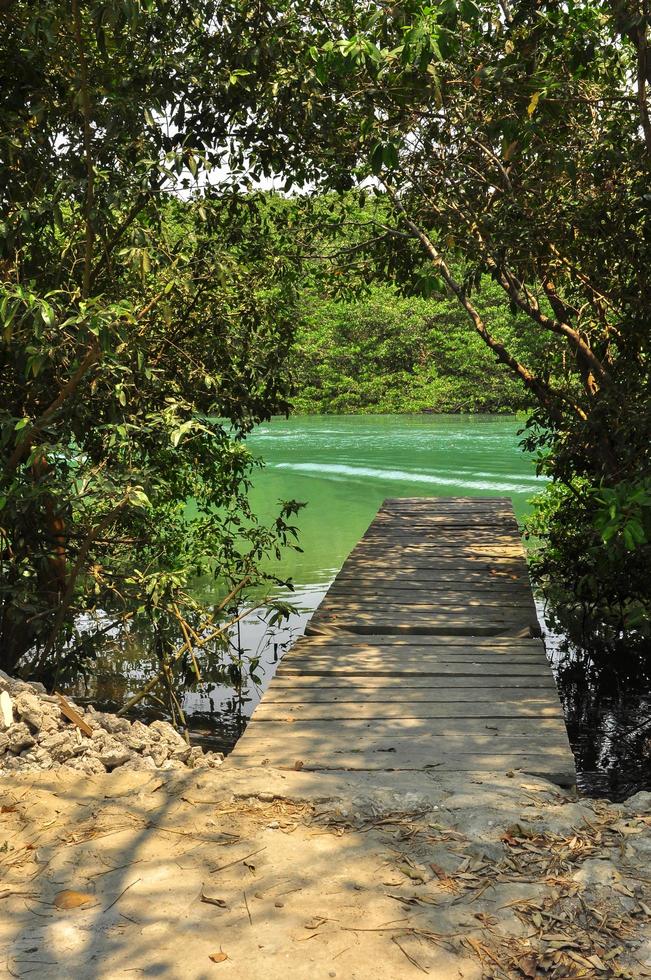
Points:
x=297, y=875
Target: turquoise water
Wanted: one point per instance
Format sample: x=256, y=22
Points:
x=343, y=467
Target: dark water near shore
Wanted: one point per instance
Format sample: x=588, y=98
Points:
x=344, y=467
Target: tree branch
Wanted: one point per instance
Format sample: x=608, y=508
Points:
x=534, y=384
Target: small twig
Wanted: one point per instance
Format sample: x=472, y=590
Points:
x=122, y=893
x=236, y=861
x=248, y=910
x=409, y=956
x=120, y=867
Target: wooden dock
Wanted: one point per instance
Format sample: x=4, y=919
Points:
x=424, y=654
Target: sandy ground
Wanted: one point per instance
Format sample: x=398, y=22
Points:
x=301, y=876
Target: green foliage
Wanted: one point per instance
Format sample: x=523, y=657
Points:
x=142, y=338
x=391, y=354
x=594, y=562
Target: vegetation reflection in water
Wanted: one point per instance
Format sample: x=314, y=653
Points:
x=343, y=467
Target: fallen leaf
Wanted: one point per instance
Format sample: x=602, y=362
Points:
x=219, y=902
x=299, y=764
x=70, y=899
x=528, y=966
x=218, y=957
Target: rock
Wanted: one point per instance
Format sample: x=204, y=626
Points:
x=6, y=710
x=167, y=733
x=29, y=708
x=181, y=754
x=138, y=763
x=38, y=757
x=20, y=737
x=42, y=738
x=62, y=745
x=7, y=683
x=108, y=722
x=595, y=871
x=194, y=755
x=159, y=753
x=139, y=738
x=639, y=803
x=87, y=763
x=112, y=753
x=172, y=764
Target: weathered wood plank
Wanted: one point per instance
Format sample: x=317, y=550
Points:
x=508, y=642
x=444, y=711
x=543, y=731
x=351, y=584
x=399, y=741
x=445, y=627
x=357, y=601
x=419, y=649
x=398, y=668
x=447, y=685
x=417, y=655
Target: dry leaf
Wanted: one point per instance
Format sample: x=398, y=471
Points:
x=219, y=902
x=70, y=899
x=299, y=764
x=218, y=957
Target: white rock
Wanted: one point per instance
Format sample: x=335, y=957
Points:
x=167, y=732
x=595, y=871
x=20, y=737
x=113, y=754
x=29, y=708
x=6, y=710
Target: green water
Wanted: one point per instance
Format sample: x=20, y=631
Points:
x=343, y=467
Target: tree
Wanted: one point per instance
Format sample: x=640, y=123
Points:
x=142, y=338
x=514, y=138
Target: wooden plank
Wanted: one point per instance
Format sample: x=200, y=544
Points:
x=419, y=654
x=425, y=749
x=424, y=601
x=445, y=685
x=496, y=588
x=479, y=642
x=467, y=569
x=420, y=649
x=355, y=732
x=442, y=532
x=495, y=565
x=453, y=711
x=444, y=627
x=410, y=615
x=421, y=554
x=383, y=694
x=399, y=668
